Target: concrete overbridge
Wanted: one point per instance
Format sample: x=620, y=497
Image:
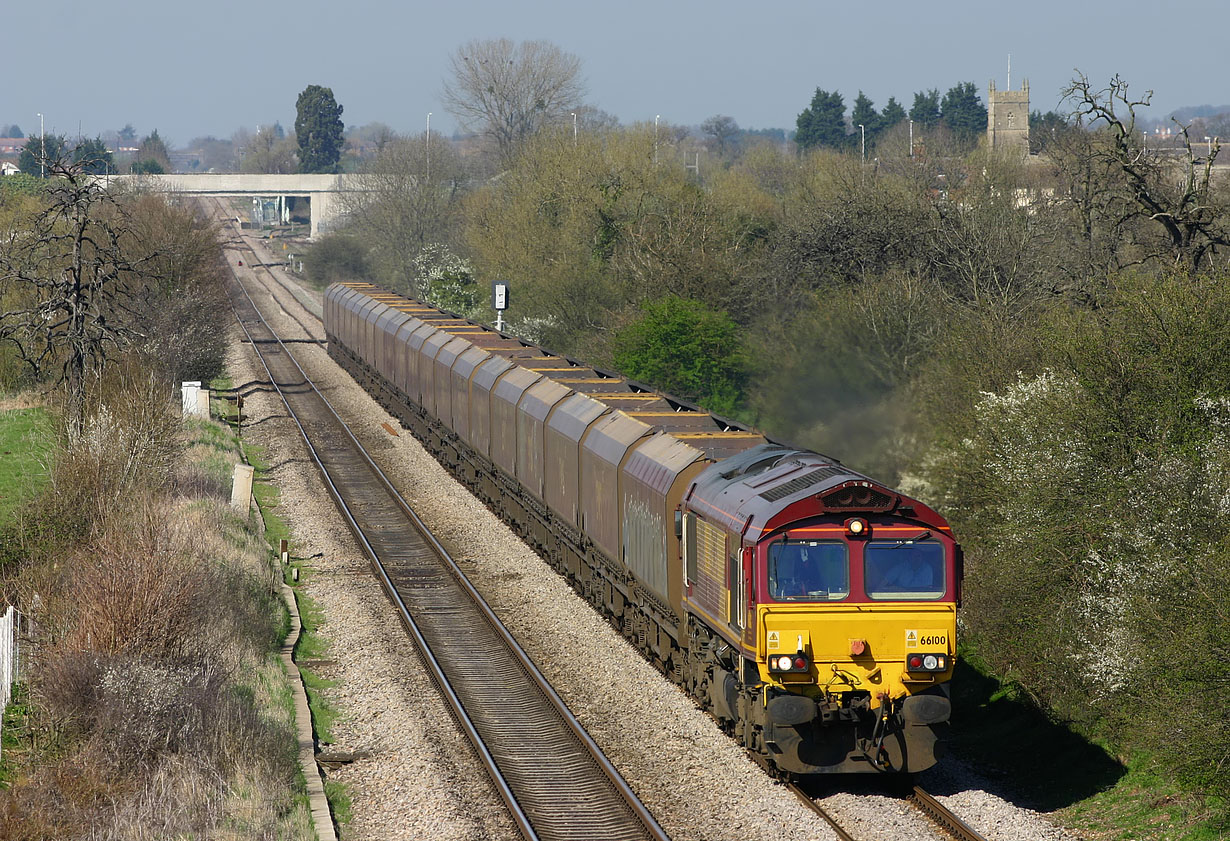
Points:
x=323, y=192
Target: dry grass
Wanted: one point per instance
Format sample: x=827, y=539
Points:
x=154, y=693
x=26, y=399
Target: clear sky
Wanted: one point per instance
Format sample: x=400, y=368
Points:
x=201, y=68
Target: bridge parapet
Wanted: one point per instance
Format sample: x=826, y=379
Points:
x=322, y=191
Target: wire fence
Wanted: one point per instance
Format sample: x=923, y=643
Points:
x=9, y=659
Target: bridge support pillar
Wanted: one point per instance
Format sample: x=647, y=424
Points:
x=324, y=211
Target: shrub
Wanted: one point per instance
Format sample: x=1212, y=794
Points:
x=179, y=308
x=336, y=257
x=128, y=446
x=1092, y=499
x=687, y=349
x=446, y=281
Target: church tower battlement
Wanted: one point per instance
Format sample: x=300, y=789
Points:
x=1008, y=118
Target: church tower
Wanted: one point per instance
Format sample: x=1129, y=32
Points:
x=1008, y=118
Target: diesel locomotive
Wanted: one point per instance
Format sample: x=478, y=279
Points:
x=810, y=609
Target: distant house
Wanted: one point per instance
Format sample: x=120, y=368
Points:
x=9, y=168
x=11, y=146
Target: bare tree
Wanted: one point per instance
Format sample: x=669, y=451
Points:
x=508, y=91
x=593, y=119
x=412, y=200
x=65, y=282
x=1174, y=192
x=270, y=151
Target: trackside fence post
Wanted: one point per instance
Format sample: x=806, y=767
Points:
x=241, y=488
x=8, y=658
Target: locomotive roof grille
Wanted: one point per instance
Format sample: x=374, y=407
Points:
x=802, y=482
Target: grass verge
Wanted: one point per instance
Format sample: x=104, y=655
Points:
x=310, y=645
x=15, y=737
x=26, y=444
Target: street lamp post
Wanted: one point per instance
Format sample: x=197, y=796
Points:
x=42, y=149
x=655, y=137
x=429, y=147
x=911, y=138
x=574, y=129
x=1209, y=141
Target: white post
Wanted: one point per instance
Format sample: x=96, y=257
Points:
x=241, y=488
x=188, y=395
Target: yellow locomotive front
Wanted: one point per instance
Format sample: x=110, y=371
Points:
x=855, y=627
x=842, y=616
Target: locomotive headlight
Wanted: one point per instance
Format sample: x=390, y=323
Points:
x=789, y=662
x=926, y=663
x=856, y=527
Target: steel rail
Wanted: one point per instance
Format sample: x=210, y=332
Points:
x=807, y=801
x=281, y=286
x=942, y=816
x=647, y=826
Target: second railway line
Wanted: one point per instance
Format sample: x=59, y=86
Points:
x=539, y=758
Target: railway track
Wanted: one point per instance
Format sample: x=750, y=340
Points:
x=278, y=290
x=553, y=778
x=942, y=816
x=935, y=812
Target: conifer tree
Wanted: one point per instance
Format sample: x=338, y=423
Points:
x=892, y=114
x=926, y=108
x=318, y=128
x=823, y=123
x=964, y=112
x=865, y=114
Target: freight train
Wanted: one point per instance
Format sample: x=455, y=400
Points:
x=810, y=609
